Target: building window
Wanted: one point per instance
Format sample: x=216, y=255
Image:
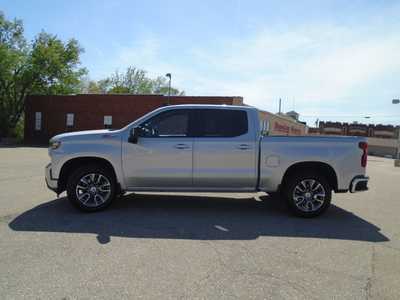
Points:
x=107, y=121
x=70, y=120
x=38, y=120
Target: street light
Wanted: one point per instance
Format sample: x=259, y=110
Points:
x=397, y=161
x=169, y=87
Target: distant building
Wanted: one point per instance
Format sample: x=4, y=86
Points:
x=282, y=124
x=382, y=139
x=46, y=116
x=356, y=129
x=294, y=115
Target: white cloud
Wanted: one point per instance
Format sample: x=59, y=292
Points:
x=316, y=65
x=313, y=65
x=144, y=52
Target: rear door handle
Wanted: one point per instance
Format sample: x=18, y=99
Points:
x=244, y=147
x=182, y=146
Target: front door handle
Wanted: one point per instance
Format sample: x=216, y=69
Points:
x=182, y=146
x=244, y=147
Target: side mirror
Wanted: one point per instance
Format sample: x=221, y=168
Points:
x=134, y=135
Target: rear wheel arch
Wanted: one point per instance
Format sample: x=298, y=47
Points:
x=320, y=168
x=71, y=165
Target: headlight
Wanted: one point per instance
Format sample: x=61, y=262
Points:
x=55, y=144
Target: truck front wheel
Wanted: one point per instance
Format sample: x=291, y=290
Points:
x=308, y=194
x=91, y=188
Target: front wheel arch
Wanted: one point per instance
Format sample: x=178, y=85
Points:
x=100, y=178
x=71, y=165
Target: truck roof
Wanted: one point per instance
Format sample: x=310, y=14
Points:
x=215, y=106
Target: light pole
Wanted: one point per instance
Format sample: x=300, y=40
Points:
x=169, y=87
x=280, y=105
x=397, y=161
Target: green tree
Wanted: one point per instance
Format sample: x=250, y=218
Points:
x=134, y=81
x=92, y=87
x=46, y=65
x=160, y=86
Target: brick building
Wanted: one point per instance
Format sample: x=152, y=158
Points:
x=46, y=116
x=283, y=124
x=356, y=129
x=382, y=139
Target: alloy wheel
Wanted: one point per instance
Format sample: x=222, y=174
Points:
x=309, y=195
x=93, y=189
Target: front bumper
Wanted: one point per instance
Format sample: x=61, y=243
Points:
x=359, y=184
x=51, y=183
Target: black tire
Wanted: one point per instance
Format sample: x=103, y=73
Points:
x=309, y=203
x=102, y=190
x=275, y=195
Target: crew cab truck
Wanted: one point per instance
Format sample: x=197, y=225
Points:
x=204, y=148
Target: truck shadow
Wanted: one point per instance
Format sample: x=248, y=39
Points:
x=194, y=217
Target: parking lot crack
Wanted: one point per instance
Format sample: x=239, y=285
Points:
x=370, y=278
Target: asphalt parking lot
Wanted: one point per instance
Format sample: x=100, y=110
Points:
x=195, y=246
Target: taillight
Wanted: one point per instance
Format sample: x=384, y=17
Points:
x=364, y=157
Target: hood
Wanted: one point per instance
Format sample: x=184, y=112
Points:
x=86, y=133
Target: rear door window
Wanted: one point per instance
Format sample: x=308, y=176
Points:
x=221, y=123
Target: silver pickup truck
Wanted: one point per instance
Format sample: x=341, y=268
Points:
x=204, y=148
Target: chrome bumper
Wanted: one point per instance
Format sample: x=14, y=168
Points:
x=359, y=184
x=51, y=183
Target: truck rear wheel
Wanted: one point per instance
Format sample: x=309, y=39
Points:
x=91, y=188
x=308, y=194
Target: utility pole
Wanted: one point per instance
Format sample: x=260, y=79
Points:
x=397, y=160
x=169, y=87
x=280, y=105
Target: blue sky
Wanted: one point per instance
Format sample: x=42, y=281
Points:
x=332, y=60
